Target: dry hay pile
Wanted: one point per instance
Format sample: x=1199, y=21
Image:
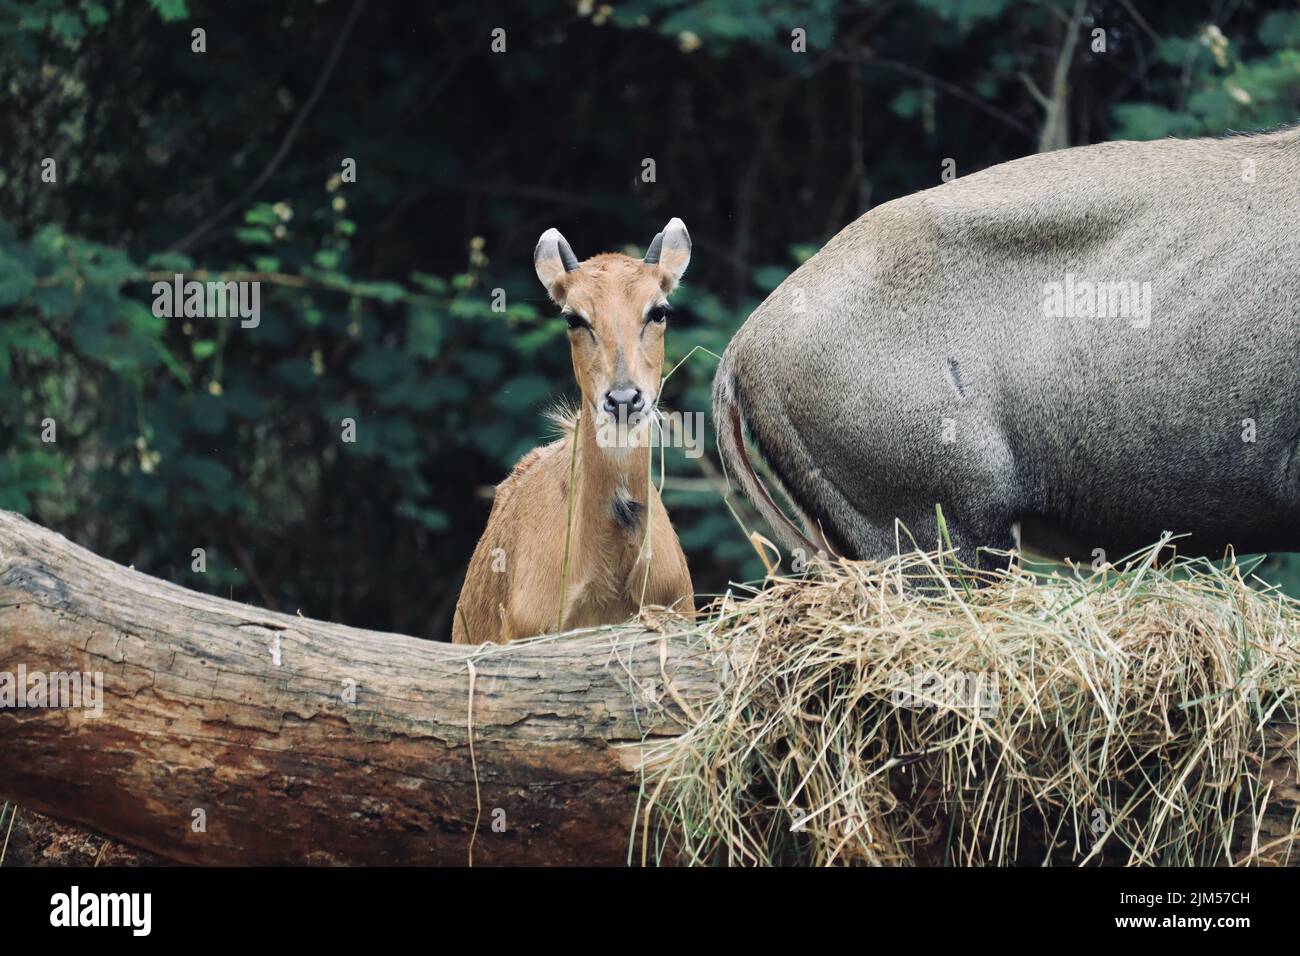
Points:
x=901, y=713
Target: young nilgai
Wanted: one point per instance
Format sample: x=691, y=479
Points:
x=616, y=310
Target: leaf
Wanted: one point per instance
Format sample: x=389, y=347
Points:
x=67, y=26
x=1281, y=29
x=176, y=368
x=523, y=394
x=15, y=280
x=431, y=518
x=768, y=278
x=428, y=282
x=483, y=366
x=96, y=15
x=1151, y=121
x=55, y=301
x=254, y=236
x=965, y=13
x=425, y=332
x=261, y=215
x=296, y=373
x=170, y=10
x=170, y=262
x=377, y=365
x=907, y=103
x=383, y=291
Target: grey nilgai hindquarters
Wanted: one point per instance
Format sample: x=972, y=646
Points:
x=1100, y=343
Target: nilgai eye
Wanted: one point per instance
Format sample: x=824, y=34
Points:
x=658, y=314
x=574, y=320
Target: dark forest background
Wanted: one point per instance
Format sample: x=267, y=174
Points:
x=177, y=434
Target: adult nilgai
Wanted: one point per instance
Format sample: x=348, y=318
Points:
x=1099, y=344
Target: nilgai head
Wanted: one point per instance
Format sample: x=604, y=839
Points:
x=616, y=308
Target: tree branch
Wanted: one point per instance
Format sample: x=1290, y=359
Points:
x=203, y=228
x=950, y=88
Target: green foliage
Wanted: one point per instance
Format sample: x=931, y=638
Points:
x=1220, y=80
x=170, y=9
x=721, y=27
x=965, y=14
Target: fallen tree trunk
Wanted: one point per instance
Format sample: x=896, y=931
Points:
x=230, y=734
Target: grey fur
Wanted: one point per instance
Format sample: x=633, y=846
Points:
x=566, y=255
x=656, y=246
x=932, y=308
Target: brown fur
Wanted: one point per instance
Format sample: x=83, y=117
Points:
x=512, y=586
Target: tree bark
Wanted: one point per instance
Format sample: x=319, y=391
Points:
x=231, y=734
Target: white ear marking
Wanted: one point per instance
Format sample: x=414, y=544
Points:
x=675, y=251
x=553, y=257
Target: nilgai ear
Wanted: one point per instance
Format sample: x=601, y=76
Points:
x=553, y=258
x=671, y=249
